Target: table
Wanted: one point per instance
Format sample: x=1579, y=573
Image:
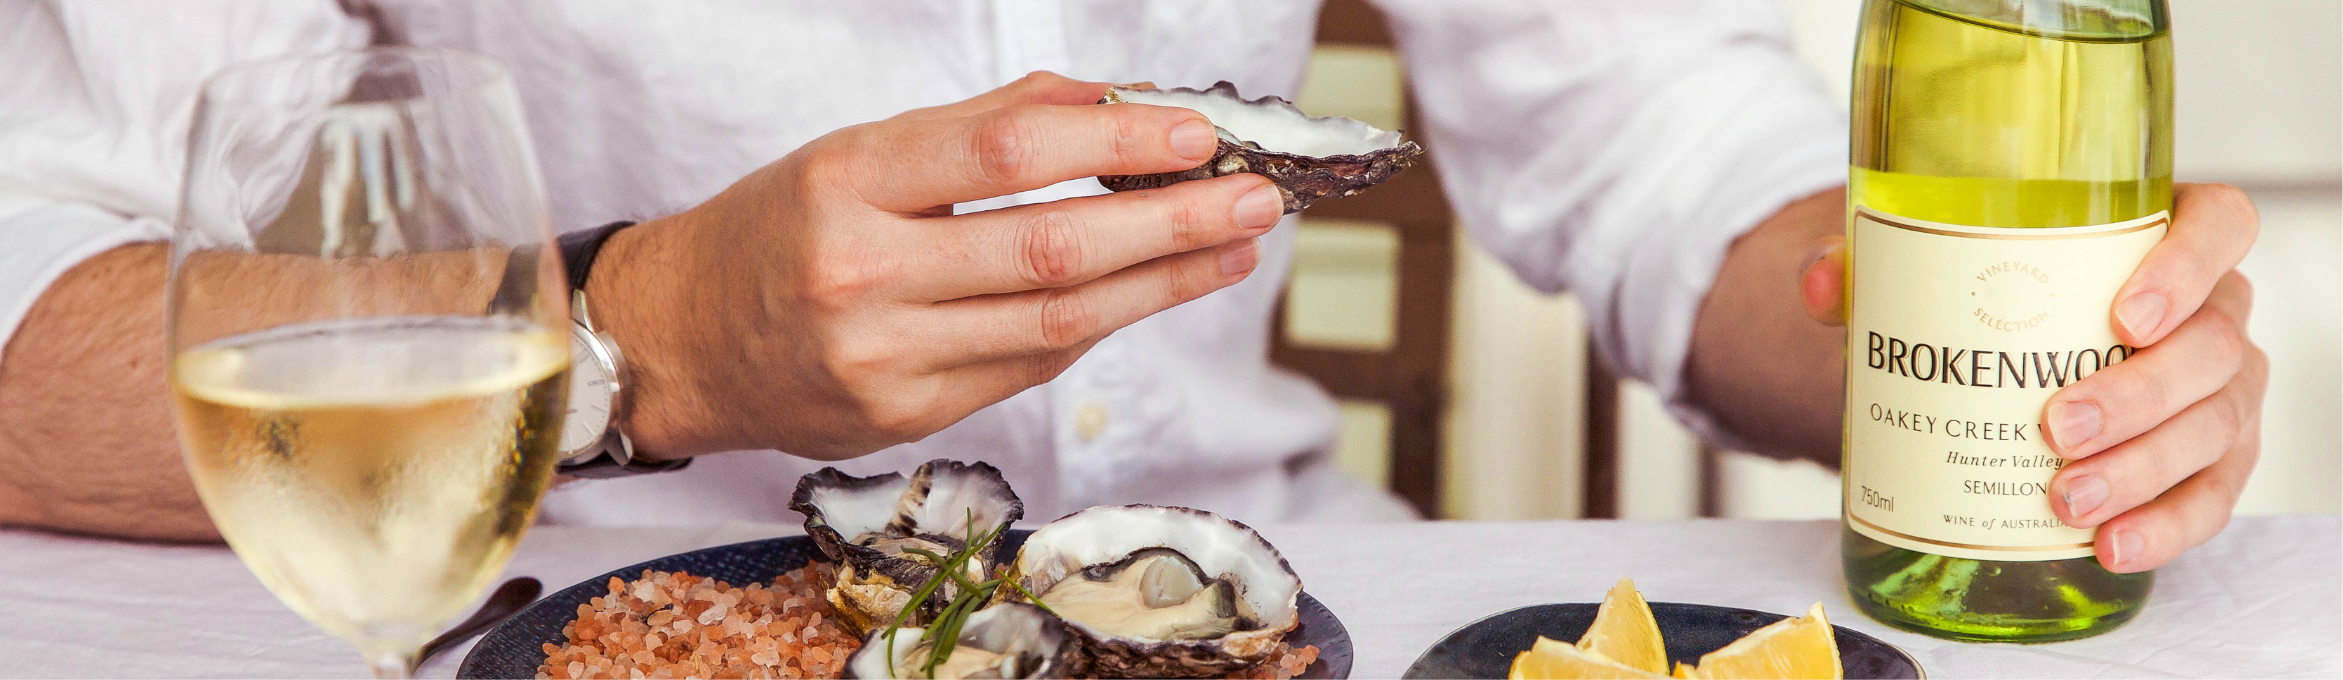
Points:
x=2265, y=599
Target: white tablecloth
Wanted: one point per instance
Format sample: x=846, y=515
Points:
x=2265, y=599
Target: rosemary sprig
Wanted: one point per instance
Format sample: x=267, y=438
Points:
x=946, y=631
x=947, y=567
x=1030, y=596
x=963, y=581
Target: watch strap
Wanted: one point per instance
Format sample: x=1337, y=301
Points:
x=605, y=466
x=578, y=250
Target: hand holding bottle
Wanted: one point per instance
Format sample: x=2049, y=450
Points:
x=2160, y=445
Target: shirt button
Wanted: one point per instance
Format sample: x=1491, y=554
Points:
x=1089, y=421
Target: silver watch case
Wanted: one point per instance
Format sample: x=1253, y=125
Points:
x=599, y=348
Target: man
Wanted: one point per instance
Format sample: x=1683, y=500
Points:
x=927, y=272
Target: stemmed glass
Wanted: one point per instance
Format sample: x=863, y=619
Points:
x=368, y=367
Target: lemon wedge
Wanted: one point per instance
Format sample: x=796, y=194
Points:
x=1625, y=632
x=1790, y=648
x=1554, y=660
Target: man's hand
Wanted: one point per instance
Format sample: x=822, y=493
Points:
x=829, y=304
x=2162, y=443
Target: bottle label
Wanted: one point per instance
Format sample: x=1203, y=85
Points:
x=1958, y=336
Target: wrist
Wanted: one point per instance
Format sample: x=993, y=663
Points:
x=640, y=309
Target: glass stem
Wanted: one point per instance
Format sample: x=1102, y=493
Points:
x=390, y=665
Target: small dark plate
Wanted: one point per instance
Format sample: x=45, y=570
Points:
x=516, y=648
x=1485, y=648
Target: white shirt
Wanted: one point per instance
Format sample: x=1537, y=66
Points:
x=1611, y=148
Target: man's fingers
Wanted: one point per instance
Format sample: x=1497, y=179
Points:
x=2184, y=517
x=913, y=166
x=1068, y=242
x=2113, y=482
x=984, y=384
x=1038, y=87
x=991, y=328
x=2128, y=398
x=2213, y=225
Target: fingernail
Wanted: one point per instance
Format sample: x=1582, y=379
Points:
x=2072, y=423
x=2122, y=546
x=1260, y=208
x=1817, y=255
x=1194, y=139
x=2084, y=493
x=1239, y=257
x=2142, y=313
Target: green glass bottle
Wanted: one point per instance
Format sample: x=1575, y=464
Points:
x=2011, y=164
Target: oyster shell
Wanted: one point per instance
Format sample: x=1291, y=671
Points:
x=1161, y=591
x=1309, y=158
x=868, y=525
x=1006, y=640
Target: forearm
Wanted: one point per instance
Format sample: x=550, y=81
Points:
x=1765, y=369
x=86, y=443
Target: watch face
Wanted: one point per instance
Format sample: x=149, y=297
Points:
x=589, y=398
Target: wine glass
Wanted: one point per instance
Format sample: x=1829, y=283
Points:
x=368, y=364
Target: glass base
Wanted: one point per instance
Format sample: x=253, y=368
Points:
x=391, y=665
x=1981, y=601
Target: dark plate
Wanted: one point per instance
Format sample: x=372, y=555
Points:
x=1485, y=648
x=516, y=648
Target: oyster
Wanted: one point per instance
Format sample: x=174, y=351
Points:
x=1007, y=640
x=1161, y=592
x=1309, y=158
x=872, y=527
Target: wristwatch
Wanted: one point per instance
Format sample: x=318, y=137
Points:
x=592, y=445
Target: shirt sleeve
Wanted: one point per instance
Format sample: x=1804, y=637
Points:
x=95, y=101
x=1616, y=148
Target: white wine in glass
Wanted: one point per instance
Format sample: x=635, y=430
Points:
x=366, y=373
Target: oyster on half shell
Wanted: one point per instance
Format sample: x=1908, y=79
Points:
x=1309, y=158
x=1006, y=640
x=870, y=526
x=1161, y=591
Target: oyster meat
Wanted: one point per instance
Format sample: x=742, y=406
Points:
x=1006, y=640
x=875, y=527
x=1309, y=158
x=1160, y=591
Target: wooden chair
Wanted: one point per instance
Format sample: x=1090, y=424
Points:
x=1410, y=378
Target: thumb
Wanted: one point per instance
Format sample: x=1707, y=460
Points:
x=1823, y=284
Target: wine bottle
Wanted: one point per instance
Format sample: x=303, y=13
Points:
x=2011, y=166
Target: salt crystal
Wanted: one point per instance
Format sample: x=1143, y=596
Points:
x=749, y=631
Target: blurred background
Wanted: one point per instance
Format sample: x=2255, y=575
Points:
x=1472, y=395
